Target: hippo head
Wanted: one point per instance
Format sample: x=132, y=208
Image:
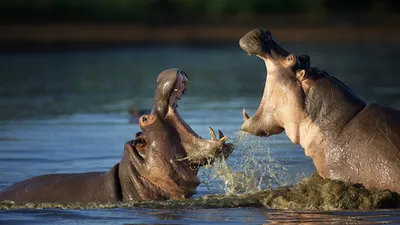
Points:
x=166, y=155
x=283, y=102
x=295, y=94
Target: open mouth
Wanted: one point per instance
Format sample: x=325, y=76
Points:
x=179, y=89
x=171, y=85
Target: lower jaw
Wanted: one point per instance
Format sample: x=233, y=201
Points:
x=179, y=124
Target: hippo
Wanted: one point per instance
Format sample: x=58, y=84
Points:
x=160, y=163
x=347, y=138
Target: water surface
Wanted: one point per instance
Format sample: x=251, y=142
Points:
x=67, y=112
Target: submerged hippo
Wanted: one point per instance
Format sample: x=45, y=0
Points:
x=160, y=163
x=347, y=138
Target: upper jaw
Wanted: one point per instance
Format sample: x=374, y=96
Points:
x=261, y=43
x=171, y=85
x=178, y=90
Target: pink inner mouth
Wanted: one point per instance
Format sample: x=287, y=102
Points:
x=176, y=94
x=178, y=90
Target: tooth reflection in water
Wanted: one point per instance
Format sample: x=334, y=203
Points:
x=251, y=170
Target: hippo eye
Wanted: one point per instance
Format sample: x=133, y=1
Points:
x=140, y=145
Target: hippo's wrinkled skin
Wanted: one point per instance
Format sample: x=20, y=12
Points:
x=161, y=163
x=347, y=138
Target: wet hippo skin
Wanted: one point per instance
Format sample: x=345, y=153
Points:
x=160, y=163
x=347, y=138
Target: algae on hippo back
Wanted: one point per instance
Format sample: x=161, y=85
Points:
x=347, y=138
x=313, y=193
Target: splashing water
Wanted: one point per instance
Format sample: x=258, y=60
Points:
x=251, y=167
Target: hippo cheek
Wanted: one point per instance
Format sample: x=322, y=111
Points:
x=169, y=176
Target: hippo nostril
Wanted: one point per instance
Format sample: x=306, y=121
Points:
x=144, y=119
x=267, y=34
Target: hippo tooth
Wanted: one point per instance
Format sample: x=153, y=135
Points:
x=181, y=159
x=212, y=134
x=176, y=89
x=245, y=116
x=223, y=139
x=221, y=135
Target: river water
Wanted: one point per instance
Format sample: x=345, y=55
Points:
x=67, y=112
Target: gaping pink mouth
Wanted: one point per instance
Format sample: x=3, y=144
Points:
x=171, y=85
x=179, y=89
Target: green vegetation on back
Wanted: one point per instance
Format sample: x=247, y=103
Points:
x=313, y=193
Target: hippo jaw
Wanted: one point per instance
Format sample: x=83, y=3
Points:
x=172, y=84
x=167, y=154
x=283, y=93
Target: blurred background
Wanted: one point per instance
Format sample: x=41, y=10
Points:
x=56, y=52
x=65, y=24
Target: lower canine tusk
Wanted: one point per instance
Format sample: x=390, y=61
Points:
x=212, y=134
x=221, y=135
x=245, y=116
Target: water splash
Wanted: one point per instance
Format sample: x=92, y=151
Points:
x=251, y=167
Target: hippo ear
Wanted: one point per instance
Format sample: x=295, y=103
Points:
x=301, y=75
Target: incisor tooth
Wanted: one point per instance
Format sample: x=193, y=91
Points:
x=223, y=139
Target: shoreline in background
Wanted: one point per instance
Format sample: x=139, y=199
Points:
x=70, y=36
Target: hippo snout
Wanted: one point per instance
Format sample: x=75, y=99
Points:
x=254, y=41
x=261, y=43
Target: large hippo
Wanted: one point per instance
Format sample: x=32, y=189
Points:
x=160, y=163
x=347, y=138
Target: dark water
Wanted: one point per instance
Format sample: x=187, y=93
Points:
x=68, y=112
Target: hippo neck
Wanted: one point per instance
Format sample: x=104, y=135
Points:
x=330, y=106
